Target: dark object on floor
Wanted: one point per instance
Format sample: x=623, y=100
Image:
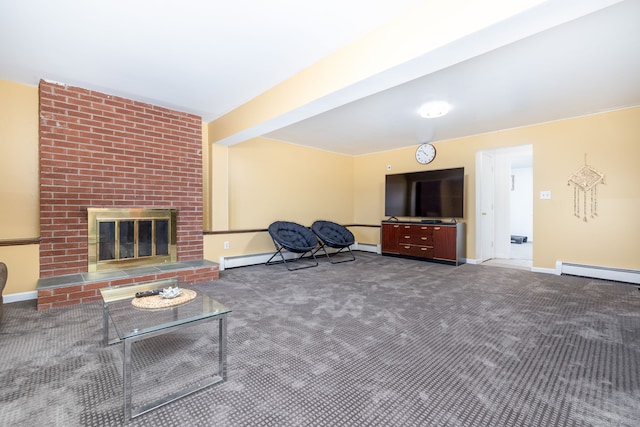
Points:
x=3, y=282
x=518, y=239
x=292, y=237
x=335, y=236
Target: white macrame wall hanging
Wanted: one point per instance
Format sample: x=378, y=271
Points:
x=585, y=185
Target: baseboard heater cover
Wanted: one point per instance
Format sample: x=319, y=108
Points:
x=253, y=259
x=367, y=247
x=599, y=272
x=246, y=260
x=21, y=296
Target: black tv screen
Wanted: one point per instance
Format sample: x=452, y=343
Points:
x=428, y=194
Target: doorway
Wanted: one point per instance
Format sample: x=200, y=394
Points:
x=504, y=206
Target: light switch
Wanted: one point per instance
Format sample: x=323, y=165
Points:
x=545, y=195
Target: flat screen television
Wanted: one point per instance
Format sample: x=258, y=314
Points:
x=428, y=194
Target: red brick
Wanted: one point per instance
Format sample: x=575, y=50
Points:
x=82, y=295
x=94, y=286
x=120, y=282
x=52, y=299
x=102, y=150
x=64, y=303
x=67, y=290
x=45, y=292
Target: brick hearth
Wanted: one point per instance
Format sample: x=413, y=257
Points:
x=60, y=291
x=98, y=150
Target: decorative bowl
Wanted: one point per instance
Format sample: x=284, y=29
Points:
x=170, y=292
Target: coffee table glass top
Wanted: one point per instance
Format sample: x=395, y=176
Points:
x=130, y=321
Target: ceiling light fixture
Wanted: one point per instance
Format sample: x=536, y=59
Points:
x=434, y=109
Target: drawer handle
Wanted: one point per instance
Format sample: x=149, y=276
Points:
x=423, y=238
x=423, y=249
x=407, y=237
x=407, y=247
x=436, y=228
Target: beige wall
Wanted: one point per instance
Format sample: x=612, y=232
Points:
x=207, y=192
x=220, y=186
x=269, y=180
x=611, y=142
x=259, y=181
x=19, y=185
x=19, y=174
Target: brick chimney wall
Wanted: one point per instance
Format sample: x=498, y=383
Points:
x=98, y=150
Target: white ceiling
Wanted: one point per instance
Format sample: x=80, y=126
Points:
x=585, y=66
x=201, y=56
x=209, y=57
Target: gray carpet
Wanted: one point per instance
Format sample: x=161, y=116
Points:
x=376, y=342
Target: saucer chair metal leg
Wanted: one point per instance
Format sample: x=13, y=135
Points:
x=294, y=238
x=335, y=236
x=348, y=248
x=331, y=257
x=283, y=259
x=322, y=247
x=279, y=250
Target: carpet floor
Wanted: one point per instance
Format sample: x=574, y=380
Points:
x=377, y=342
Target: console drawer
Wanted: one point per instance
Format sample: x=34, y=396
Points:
x=416, y=250
x=414, y=239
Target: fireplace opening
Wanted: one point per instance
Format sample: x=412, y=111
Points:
x=130, y=237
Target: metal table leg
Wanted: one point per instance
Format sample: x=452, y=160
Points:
x=126, y=379
x=222, y=348
x=105, y=324
x=221, y=376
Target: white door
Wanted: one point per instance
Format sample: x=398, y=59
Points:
x=501, y=203
x=493, y=178
x=485, y=181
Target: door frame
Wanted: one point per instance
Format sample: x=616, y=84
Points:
x=485, y=223
x=493, y=168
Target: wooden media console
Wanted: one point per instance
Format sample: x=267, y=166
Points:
x=441, y=242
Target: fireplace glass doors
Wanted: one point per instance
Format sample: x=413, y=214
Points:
x=125, y=238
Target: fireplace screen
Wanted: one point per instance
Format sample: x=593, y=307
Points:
x=123, y=238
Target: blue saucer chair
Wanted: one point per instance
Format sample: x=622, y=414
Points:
x=335, y=236
x=292, y=237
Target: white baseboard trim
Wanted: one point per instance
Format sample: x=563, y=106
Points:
x=555, y=271
x=607, y=273
x=601, y=272
x=253, y=259
x=367, y=247
x=545, y=270
x=246, y=260
x=21, y=296
x=597, y=272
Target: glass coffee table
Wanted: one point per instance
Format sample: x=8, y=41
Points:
x=134, y=324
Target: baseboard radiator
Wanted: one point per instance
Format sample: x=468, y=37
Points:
x=598, y=272
x=367, y=247
x=22, y=296
x=253, y=259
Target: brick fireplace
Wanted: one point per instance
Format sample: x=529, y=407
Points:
x=103, y=151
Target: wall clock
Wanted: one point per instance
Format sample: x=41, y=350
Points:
x=425, y=153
